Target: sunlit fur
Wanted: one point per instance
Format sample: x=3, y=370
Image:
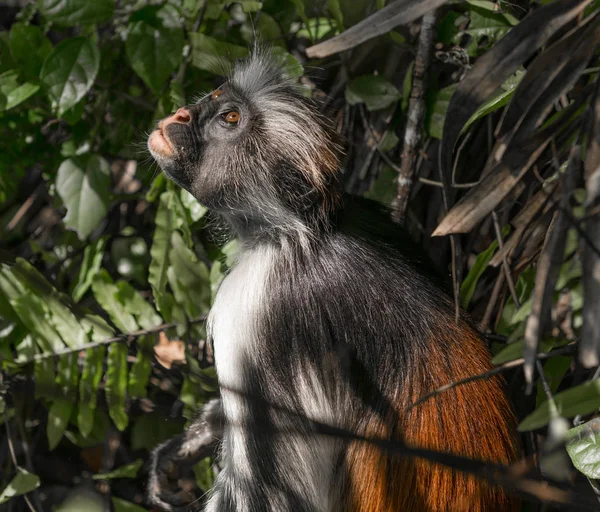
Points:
x=332, y=314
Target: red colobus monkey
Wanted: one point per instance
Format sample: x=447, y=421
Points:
x=329, y=315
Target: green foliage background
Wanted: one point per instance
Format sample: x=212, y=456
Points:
x=103, y=261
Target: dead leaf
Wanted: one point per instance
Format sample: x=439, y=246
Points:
x=397, y=13
x=169, y=351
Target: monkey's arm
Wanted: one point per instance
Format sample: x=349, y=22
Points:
x=171, y=460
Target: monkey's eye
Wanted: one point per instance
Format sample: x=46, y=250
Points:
x=232, y=117
x=216, y=94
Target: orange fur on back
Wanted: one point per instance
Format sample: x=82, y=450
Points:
x=472, y=420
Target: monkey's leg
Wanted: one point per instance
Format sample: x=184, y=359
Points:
x=174, y=458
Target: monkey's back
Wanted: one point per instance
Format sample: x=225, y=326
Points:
x=385, y=335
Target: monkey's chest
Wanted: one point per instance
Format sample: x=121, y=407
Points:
x=235, y=317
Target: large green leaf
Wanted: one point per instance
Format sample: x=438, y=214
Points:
x=154, y=52
x=582, y=399
x=29, y=47
x=22, y=483
x=83, y=183
x=372, y=90
x=76, y=12
x=583, y=446
x=69, y=72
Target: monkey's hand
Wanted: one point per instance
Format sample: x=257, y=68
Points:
x=171, y=461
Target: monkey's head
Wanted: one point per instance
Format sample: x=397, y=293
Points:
x=255, y=150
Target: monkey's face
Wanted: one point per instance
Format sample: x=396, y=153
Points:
x=254, y=149
x=196, y=147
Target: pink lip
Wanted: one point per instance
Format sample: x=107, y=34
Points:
x=158, y=143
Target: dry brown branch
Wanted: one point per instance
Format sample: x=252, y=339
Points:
x=415, y=115
x=589, y=351
x=397, y=13
x=548, y=267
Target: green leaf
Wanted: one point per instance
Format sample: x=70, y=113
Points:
x=582, y=399
x=76, y=12
x=318, y=28
x=289, y=64
x=55, y=303
x=22, y=483
x=437, y=106
x=336, y=12
x=69, y=72
x=498, y=101
x=125, y=506
x=127, y=471
x=213, y=55
x=583, y=446
x=107, y=295
x=554, y=370
x=14, y=93
x=246, y=5
x=91, y=375
x=154, y=52
x=383, y=189
x=204, y=474
x=166, y=222
x=116, y=384
x=60, y=411
x=485, y=24
x=194, y=209
x=468, y=286
x=29, y=47
x=90, y=266
x=189, y=279
x=145, y=315
x=153, y=428
x=141, y=369
x=372, y=90
x=515, y=350
x=83, y=183
x=58, y=419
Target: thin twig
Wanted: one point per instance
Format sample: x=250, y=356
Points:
x=566, y=350
x=439, y=184
x=13, y=457
x=416, y=112
x=107, y=341
x=505, y=265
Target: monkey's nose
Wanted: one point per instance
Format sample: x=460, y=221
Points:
x=182, y=116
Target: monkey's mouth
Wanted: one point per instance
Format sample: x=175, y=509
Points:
x=159, y=144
